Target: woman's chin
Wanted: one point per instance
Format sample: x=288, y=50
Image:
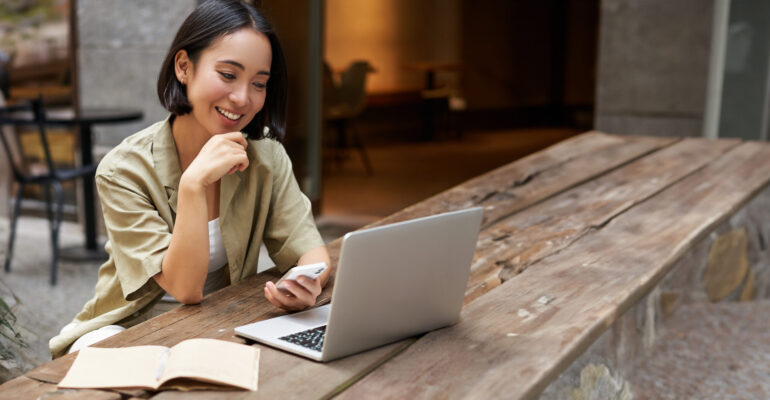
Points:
x=219, y=129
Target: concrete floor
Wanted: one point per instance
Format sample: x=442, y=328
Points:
x=404, y=173
x=709, y=351
x=42, y=309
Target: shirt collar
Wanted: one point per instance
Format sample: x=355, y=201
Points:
x=165, y=157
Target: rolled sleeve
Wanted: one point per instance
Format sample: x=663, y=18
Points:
x=144, y=236
x=290, y=231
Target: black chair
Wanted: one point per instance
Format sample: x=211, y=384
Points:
x=36, y=172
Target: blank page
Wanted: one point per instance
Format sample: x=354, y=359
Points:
x=215, y=361
x=115, y=368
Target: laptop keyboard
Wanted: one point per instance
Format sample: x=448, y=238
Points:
x=313, y=339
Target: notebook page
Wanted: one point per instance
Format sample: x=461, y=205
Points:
x=125, y=367
x=216, y=361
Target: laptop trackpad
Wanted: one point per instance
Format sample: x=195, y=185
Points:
x=286, y=324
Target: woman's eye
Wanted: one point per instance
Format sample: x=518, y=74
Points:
x=259, y=85
x=227, y=75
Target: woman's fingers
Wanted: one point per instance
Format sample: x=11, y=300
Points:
x=295, y=296
x=237, y=144
x=236, y=137
x=304, y=296
x=272, y=298
x=282, y=298
x=221, y=155
x=312, y=286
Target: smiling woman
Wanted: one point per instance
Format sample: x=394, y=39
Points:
x=188, y=201
x=228, y=86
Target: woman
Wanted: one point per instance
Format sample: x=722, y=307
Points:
x=188, y=200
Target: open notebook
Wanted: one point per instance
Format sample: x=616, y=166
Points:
x=191, y=364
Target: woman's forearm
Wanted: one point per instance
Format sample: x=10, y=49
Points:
x=185, y=265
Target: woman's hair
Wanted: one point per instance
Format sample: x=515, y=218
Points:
x=210, y=21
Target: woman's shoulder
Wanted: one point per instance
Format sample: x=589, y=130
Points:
x=267, y=152
x=133, y=152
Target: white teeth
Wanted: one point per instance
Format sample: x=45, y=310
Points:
x=229, y=115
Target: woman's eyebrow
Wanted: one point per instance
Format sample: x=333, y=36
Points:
x=233, y=63
x=239, y=65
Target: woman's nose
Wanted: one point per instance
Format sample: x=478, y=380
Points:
x=240, y=95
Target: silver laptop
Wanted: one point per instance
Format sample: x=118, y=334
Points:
x=392, y=282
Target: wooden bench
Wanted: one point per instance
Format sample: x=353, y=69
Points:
x=584, y=248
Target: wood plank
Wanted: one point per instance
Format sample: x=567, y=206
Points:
x=508, y=247
x=513, y=341
x=25, y=388
x=526, y=181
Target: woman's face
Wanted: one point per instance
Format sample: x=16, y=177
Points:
x=227, y=85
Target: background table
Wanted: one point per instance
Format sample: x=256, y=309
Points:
x=575, y=240
x=434, y=98
x=84, y=121
x=429, y=68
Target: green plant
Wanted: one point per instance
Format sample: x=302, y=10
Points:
x=8, y=332
x=13, y=346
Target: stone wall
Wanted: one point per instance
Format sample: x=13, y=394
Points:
x=121, y=45
x=653, y=66
x=731, y=263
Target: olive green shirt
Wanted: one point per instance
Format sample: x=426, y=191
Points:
x=138, y=185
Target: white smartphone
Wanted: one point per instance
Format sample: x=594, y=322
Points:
x=311, y=271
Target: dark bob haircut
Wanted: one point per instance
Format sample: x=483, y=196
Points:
x=207, y=23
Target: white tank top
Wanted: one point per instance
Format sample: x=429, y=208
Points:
x=216, y=278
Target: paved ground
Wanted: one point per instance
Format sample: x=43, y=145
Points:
x=709, y=351
x=43, y=309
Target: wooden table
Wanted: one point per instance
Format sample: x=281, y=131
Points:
x=573, y=237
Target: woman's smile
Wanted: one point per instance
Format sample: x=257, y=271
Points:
x=229, y=115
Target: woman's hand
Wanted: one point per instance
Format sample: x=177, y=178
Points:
x=222, y=154
x=302, y=293
x=295, y=295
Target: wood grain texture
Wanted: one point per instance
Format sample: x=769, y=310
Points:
x=509, y=246
x=528, y=180
x=26, y=388
x=514, y=340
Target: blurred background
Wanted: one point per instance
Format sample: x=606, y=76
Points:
x=393, y=101
x=390, y=101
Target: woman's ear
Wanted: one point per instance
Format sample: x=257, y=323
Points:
x=182, y=66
